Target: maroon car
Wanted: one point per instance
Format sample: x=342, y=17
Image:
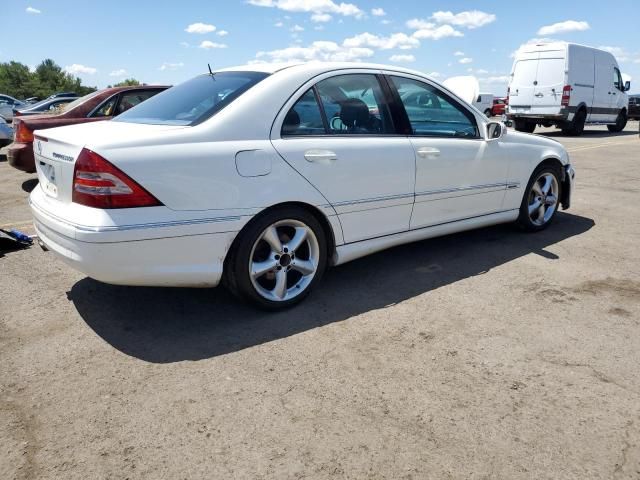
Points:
x=100, y=105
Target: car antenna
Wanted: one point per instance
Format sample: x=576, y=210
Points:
x=211, y=72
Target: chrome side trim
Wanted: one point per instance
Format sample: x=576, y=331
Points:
x=373, y=199
x=462, y=189
x=139, y=226
x=513, y=185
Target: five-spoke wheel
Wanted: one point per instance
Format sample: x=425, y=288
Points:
x=277, y=258
x=540, y=202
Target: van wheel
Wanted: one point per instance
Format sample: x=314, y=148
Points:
x=621, y=122
x=575, y=127
x=487, y=113
x=525, y=126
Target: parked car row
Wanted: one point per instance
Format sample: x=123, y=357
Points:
x=96, y=106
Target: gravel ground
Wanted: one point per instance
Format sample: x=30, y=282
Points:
x=491, y=354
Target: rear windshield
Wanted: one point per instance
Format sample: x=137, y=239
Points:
x=193, y=101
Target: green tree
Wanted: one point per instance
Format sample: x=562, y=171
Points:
x=18, y=81
x=129, y=82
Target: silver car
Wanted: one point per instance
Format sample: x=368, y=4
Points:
x=6, y=133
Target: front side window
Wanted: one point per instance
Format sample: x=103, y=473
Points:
x=433, y=113
x=355, y=104
x=193, y=101
x=617, y=79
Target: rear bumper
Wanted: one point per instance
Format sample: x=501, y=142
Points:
x=562, y=115
x=20, y=156
x=178, y=260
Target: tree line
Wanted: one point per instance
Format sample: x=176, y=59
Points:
x=18, y=81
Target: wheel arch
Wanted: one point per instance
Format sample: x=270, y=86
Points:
x=565, y=185
x=324, y=221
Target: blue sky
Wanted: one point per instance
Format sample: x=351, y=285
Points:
x=103, y=42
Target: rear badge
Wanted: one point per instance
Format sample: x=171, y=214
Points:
x=59, y=156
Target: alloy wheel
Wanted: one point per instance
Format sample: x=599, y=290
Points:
x=543, y=199
x=284, y=260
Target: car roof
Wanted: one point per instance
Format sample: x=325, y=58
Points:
x=316, y=68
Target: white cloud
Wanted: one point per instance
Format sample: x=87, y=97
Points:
x=495, y=80
x=200, y=27
x=564, y=27
x=311, y=6
x=77, y=69
x=118, y=73
x=482, y=71
x=458, y=54
x=378, y=12
x=33, y=11
x=222, y=33
x=170, y=66
x=320, y=17
x=468, y=19
x=402, y=58
x=278, y=24
x=208, y=44
x=297, y=28
x=397, y=40
x=320, y=50
x=464, y=60
x=433, y=32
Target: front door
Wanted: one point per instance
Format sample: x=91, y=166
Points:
x=459, y=175
x=340, y=136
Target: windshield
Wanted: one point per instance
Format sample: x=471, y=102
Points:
x=193, y=101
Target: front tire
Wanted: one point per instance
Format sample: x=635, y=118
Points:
x=487, y=113
x=621, y=122
x=277, y=259
x=541, y=199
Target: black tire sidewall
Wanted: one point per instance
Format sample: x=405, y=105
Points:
x=238, y=266
x=524, y=221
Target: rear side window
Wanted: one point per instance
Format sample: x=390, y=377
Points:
x=305, y=118
x=193, y=101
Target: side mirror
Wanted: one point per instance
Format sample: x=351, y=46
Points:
x=627, y=86
x=495, y=130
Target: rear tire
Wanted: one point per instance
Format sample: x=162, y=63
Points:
x=525, y=126
x=621, y=122
x=277, y=259
x=575, y=127
x=487, y=113
x=541, y=199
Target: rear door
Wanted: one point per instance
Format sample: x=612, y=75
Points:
x=522, y=86
x=550, y=79
x=340, y=136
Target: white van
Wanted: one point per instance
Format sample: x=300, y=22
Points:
x=484, y=103
x=566, y=85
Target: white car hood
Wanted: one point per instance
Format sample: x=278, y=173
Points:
x=465, y=87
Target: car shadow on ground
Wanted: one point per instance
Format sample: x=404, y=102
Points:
x=163, y=325
x=591, y=134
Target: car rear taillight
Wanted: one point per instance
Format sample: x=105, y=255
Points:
x=23, y=133
x=566, y=95
x=99, y=184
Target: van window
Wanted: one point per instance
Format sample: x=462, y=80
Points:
x=524, y=72
x=617, y=79
x=550, y=72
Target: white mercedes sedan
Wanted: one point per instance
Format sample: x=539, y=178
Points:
x=260, y=177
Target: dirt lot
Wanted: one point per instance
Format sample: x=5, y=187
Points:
x=489, y=354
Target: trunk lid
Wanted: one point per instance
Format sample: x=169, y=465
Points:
x=57, y=149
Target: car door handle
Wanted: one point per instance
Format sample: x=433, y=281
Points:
x=320, y=156
x=539, y=95
x=426, y=152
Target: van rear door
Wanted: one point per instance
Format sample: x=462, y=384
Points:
x=521, y=88
x=550, y=79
